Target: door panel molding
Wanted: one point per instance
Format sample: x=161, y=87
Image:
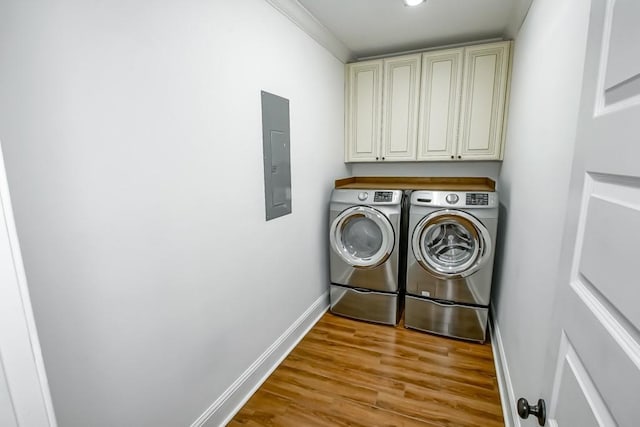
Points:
x=602, y=244
x=607, y=351
x=569, y=363
x=611, y=94
x=587, y=293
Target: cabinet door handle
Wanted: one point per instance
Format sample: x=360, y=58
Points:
x=459, y=157
x=383, y=158
x=377, y=158
x=453, y=157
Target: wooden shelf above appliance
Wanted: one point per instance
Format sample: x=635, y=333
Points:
x=417, y=183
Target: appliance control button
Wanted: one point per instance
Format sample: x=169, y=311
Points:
x=363, y=195
x=452, y=198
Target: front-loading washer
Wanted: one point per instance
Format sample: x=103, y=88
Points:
x=364, y=255
x=450, y=253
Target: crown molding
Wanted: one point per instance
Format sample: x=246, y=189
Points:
x=308, y=23
x=519, y=13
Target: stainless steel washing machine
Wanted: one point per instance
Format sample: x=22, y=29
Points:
x=450, y=253
x=364, y=254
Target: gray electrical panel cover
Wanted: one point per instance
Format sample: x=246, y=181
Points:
x=276, y=155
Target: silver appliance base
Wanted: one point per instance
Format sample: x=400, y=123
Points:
x=448, y=319
x=364, y=304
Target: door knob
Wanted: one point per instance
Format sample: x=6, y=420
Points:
x=539, y=411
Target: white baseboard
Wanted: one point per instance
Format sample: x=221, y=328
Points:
x=507, y=395
x=231, y=401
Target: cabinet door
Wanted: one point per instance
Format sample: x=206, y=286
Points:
x=400, y=107
x=363, y=109
x=439, y=104
x=483, y=101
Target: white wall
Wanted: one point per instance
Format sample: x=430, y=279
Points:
x=545, y=91
x=133, y=146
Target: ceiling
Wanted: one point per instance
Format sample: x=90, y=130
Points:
x=377, y=27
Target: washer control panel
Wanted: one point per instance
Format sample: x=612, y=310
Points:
x=455, y=199
x=477, y=199
x=383, y=196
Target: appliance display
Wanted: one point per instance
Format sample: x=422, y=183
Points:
x=366, y=266
x=450, y=253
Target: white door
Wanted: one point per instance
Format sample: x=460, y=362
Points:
x=364, y=111
x=24, y=392
x=400, y=107
x=7, y=415
x=593, y=363
x=484, y=88
x=439, y=104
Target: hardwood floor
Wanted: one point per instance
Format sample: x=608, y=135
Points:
x=351, y=373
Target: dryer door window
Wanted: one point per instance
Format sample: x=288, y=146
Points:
x=451, y=243
x=362, y=236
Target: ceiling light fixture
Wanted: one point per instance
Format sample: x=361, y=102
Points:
x=413, y=2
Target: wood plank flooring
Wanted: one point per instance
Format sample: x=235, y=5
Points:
x=350, y=373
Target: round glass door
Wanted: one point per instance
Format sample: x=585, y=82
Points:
x=362, y=236
x=451, y=243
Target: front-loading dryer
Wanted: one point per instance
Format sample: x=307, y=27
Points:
x=450, y=253
x=364, y=255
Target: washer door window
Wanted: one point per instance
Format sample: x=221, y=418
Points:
x=451, y=243
x=362, y=236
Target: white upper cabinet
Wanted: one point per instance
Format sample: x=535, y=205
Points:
x=484, y=90
x=400, y=108
x=434, y=106
x=363, y=111
x=382, y=109
x=439, y=104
